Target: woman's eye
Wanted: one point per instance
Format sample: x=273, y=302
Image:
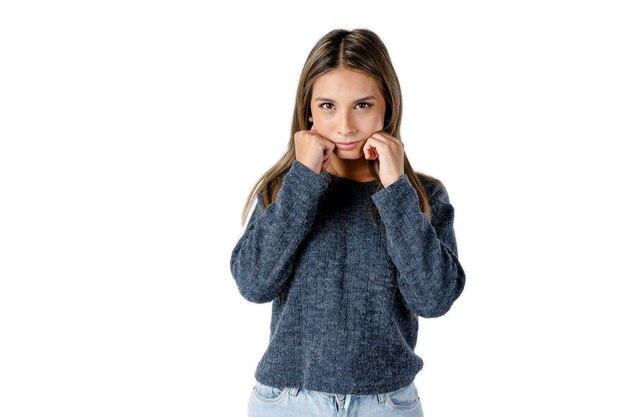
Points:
x=360, y=106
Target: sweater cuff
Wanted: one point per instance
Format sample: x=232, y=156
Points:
x=305, y=183
x=396, y=194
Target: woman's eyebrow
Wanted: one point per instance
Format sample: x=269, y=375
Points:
x=355, y=101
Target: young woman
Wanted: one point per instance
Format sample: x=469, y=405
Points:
x=349, y=243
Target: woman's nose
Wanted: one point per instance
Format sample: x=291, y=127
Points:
x=345, y=126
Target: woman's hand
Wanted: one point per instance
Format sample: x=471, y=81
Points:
x=390, y=153
x=313, y=150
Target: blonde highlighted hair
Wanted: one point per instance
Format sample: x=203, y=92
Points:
x=357, y=50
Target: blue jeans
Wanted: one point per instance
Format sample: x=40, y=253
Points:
x=268, y=401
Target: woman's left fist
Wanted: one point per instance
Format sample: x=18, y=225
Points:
x=390, y=153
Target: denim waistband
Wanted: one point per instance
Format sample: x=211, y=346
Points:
x=339, y=398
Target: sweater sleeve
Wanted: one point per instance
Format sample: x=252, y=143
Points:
x=263, y=258
x=430, y=276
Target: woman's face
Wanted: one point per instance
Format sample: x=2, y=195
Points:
x=347, y=107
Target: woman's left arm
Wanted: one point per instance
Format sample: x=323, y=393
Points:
x=430, y=275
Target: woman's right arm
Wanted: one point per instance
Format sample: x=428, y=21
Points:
x=264, y=256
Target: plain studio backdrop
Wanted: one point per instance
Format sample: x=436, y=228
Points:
x=132, y=132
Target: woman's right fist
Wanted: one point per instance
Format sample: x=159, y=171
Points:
x=313, y=150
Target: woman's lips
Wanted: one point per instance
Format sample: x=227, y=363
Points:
x=346, y=145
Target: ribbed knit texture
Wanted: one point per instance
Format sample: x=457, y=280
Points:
x=343, y=266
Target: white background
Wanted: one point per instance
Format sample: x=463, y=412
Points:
x=132, y=132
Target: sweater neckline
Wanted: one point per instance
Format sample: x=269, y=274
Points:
x=351, y=181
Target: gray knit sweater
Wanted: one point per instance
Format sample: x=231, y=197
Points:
x=344, y=266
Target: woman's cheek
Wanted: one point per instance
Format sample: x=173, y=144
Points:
x=324, y=131
x=378, y=127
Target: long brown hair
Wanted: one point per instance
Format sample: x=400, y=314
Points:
x=358, y=50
